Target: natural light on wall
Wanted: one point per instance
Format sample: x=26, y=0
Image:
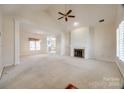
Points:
x=34, y=44
x=120, y=41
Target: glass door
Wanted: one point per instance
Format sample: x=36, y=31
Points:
x=51, y=44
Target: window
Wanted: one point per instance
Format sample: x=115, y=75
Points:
x=51, y=44
x=120, y=41
x=34, y=44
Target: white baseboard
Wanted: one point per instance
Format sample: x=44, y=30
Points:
x=121, y=67
x=107, y=60
x=1, y=71
x=8, y=65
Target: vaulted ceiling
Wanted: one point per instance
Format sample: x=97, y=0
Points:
x=86, y=15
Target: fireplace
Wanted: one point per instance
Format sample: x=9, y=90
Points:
x=79, y=53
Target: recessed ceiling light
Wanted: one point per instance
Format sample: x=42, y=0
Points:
x=76, y=23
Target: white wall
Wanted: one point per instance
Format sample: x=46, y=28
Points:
x=99, y=42
x=91, y=42
x=105, y=42
x=58, y=44
x=41, y=20
x=24, y=43
x=16, y=42
x=8, y=41
x=120, y=15
x=80, y=38
x=63, y=39
x=65, y=43
x=1, y=63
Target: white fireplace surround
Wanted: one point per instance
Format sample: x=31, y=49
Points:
x=80, y=39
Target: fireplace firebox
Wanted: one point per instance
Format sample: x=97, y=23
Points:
x=79, y=53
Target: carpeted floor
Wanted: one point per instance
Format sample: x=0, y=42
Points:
x=55, y=72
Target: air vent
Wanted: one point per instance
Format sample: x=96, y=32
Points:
x=102, y=20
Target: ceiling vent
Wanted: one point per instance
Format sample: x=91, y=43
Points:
x=102, y=20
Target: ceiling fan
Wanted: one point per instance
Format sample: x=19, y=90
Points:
x=66, y=15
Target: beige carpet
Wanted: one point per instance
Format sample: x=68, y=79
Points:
x=54, y=72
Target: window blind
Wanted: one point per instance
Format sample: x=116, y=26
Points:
x=120, y=41
x=33, y=39
x=34, y=44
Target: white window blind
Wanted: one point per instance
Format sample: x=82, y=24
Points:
x=34, y=44
x=120, y=41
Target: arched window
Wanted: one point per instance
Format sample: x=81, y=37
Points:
x=120, y=41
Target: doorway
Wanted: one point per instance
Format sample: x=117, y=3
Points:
x=51, y=44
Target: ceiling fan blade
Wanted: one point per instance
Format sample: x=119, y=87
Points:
x=61, y=13
x=71, y=16
x=60, y=18
x=66, y=19
x=69, y=12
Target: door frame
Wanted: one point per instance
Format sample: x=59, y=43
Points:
x=16, y=42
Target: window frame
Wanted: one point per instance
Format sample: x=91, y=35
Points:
x=37, y=44
x=120, y=41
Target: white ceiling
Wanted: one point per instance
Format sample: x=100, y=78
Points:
x=86, y=15
x=29, y=28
